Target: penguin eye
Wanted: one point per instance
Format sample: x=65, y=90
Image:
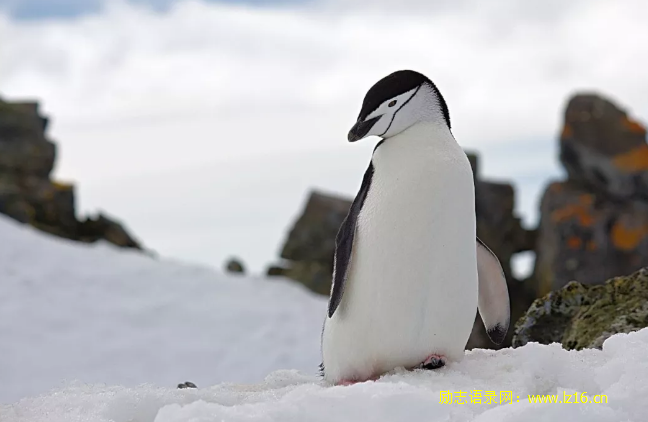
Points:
x=392, y=103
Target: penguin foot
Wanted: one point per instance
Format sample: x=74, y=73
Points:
x=433, y=362
x=351, y=382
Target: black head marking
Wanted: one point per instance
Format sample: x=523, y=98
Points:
x=396, y=84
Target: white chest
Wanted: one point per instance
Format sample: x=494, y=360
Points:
x=418, y=220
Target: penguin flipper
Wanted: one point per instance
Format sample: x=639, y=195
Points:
x=493, y=303
x=344, y=243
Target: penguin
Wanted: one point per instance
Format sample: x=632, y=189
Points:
x=409, y=271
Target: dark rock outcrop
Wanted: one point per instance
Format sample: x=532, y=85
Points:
x=187, y=384
x=581, y=316
x=275, y=271
x=28, y=195
x=234, y=266
x=594, y=225
x=24, y=149
x=586, y=236
x=310, y=244
x=604, y=149
x=312, y=237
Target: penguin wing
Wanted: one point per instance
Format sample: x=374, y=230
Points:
x=344, y=243
x=493, y=300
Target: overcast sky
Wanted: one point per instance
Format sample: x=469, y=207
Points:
x=202, y=124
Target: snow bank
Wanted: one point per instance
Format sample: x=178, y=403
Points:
x=619, y=371
x=104, y=315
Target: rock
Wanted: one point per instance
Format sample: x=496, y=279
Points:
x=587, y=237
x=28, y=195
x=276, y=271
x=316, y=275
x=234, y=266
x=604, y=149
x=102, y=227
x=310, y=244
x=312, y=237
x=24, y=150
x=594, y=225
x=50, y=204
x=187, y=384
x=581, y=316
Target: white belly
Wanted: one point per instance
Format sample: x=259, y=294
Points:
x=412, y=285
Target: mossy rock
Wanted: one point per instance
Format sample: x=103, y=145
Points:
x=583, y=316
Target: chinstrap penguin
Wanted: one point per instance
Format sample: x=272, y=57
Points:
x=409, y=271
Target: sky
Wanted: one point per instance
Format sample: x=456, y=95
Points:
x=47, y=9
x=203, y=124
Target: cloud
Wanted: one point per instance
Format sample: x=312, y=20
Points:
x=136, y=92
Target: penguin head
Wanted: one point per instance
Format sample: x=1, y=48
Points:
x=396, y=102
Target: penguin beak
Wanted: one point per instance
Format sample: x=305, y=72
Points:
x=361, y=128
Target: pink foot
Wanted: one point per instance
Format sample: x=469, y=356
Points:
x=433, y=362
x=351, y=382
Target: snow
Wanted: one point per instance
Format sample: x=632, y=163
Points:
x=100, y=314
x=130, y=328
x=619, y=371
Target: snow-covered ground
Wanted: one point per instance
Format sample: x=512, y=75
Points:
x=123, y=330
x=104, y=315
x=619, y=371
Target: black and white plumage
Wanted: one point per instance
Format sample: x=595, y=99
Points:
x=409, y=271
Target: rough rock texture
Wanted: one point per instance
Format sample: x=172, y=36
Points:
x=604, y=149
x=580, y=316
x=27, y=193
x=275, y=271
x=594, y=225
x=312, y=238
x=585, y=236
x=234, y=266
x=310, y=245
x=23, y=147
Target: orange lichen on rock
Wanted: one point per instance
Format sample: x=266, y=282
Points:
x=634, y=126
x=574, y=242
x=585, y=219
x=627, y=238
x=586, y=199
x=567, y=132
x=580, y=211
x=633, y=160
